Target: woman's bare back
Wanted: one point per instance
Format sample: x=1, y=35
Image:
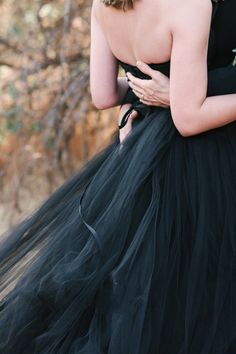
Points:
x=142, y=33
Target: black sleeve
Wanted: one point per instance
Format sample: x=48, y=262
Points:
x=222, y=81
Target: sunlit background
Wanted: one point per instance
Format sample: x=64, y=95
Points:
x=48, y=126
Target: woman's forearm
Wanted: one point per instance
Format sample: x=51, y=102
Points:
x=213, y=113
x=221, y=81
x=217, y=111
x=108, y=99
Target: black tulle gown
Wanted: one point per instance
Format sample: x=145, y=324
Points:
x=135, y=254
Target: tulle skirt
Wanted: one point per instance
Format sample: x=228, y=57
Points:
x=135, y=254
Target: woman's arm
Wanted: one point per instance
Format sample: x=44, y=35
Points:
x=156, y=90
x=193, y=112
x=106, y=89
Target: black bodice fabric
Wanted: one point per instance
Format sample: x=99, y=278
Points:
x=135, y=253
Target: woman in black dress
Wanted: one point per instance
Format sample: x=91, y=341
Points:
x=136, y=254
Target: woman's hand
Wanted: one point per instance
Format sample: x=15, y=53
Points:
x=128, y=127
x=154, y=92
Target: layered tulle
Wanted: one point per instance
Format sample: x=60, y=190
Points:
x=135, y=254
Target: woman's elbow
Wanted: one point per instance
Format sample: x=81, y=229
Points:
x=185, y=124
x=185, y=130
x=103, y=102
x=99, y=105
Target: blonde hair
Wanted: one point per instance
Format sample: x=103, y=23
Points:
x=119, y=4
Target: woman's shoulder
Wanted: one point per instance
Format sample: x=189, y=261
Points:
x=190, y=10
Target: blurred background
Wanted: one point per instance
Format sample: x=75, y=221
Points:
x=48, y=125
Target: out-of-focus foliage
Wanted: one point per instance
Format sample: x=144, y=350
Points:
x=48, y=126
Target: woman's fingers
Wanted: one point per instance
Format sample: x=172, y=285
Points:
x=133, y=115
x=145, y=68
x=135, y=81
x=154, y=103
x=125, y=131
x=150, y=101
x=145, y=95
x=143, y=87
x=152, y=92
x=138, y=92
x=155, y=90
